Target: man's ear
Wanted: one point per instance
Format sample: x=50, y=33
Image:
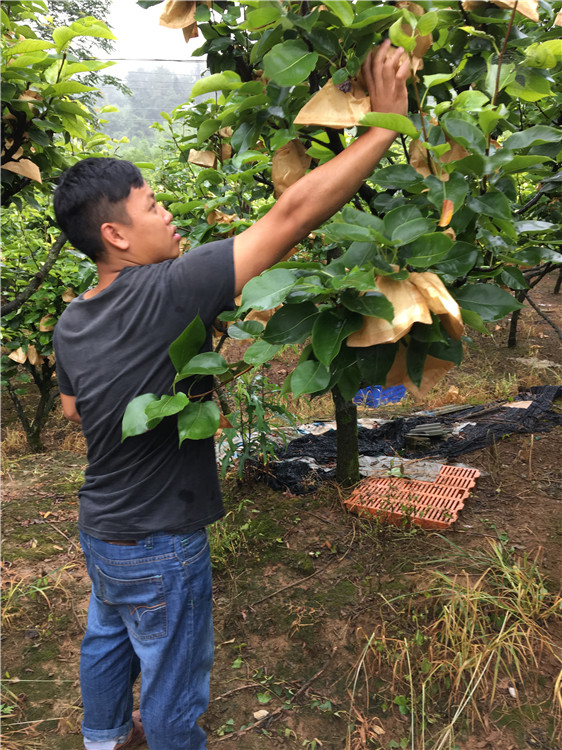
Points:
x=112, y=236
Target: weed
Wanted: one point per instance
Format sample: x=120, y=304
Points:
x=258, y=423
x=486, y=627
x=16, y=592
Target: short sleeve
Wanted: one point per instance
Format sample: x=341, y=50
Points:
x=63, y=380
x=204, y=274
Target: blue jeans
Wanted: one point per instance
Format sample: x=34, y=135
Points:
x=151, y=612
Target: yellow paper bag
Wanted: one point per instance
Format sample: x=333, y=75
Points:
x=289, y=164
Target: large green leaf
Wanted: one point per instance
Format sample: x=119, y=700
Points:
x=206, y=363
x=460, y=259
x=534, y=226
x=489, y=301
x=411, y=230
x=428, y=249
x=198, y=420
x=337, y=231
x=26, y=46
x=291, y=324
x=532, y=136
x=166, y=406
x=309, y=377
x=375, y=362
x=289, y=63
x=373, y=304
x=225, y=81
x=329, y=330
x=416, y=354
x=268, y=290
x=390, y=121
x=465, y=133
x=491, y=204
x=342, y=9
x=397, y=175
x=260, y=352
x=187, y=344
x=455, y=189
x=245, y=329
x=134, y=420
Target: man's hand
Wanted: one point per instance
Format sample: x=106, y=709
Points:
x=386, y=72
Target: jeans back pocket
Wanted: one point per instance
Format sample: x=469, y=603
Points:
x=140, y=601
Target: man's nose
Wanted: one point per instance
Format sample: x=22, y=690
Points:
x=167, y=215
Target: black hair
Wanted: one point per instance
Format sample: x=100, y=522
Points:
x=90, y=193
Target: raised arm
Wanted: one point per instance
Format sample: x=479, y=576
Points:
x=324, y=190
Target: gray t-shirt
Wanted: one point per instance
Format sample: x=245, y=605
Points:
x=113, y=347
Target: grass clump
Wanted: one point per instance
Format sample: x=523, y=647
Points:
x=479, y=641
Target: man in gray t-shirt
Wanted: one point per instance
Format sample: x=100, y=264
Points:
x=145, y=503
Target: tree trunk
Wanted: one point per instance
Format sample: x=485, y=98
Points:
x=347, y=469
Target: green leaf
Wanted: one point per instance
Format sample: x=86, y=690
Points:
x=245, y=329
x=491, y=204
x=428, y=249
x=398, y=216
x=489, y=301
x=471, y=100
x=338, y=230
x=455, y=189
x=416, y=354
x=372, y=304
x=398, y=175
x=535, y=87
x=188, y=343
x=375, y=362
x=166, y=406
x=26, y=46
x=449, y=350
x=399, y=38
x=533, y=226
x=206, y=363
x=513, y=278
x=291, y=324
x=268, y=290
x=134, y=420
x=390, y=121
x=342, y=9
x=144, y=165
x=309, y=377
x=328, y=332
x=198, y=420
x=262, y=17
x=289, y=63
x=473, y=320
x=260, y=352
x=460, y=259
x=68, y=88
x=206, y=130
x=465, y=133
x=427, y=23
x=524, y=163
x=411, y=230
x=532, y=136
x=225, y=81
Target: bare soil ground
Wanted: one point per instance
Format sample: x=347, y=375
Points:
x=313, y=605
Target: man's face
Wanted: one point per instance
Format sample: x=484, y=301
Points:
x=152, y=238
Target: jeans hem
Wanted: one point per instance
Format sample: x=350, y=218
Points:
x=119, y=734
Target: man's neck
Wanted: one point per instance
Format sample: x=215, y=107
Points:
x=106, y=275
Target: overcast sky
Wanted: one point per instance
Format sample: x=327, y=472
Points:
x=141, y=39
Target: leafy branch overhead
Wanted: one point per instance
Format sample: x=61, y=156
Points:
x=452, y=203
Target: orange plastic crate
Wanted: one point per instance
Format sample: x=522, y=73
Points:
x=433, y=505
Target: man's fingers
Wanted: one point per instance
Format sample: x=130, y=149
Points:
x=403, y=72
x=368, y=73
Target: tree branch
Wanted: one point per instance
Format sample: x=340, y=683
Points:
x=37, y=280
x=550, y=322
